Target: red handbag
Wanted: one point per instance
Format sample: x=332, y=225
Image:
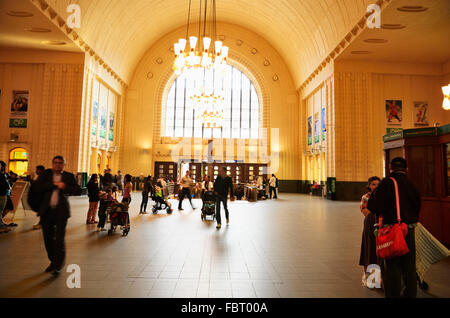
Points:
x=391, y=239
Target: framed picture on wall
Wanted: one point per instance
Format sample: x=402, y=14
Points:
x=316, y=128
x=421, y=114
x=19, y=105
x=394, y=113
x=309, y=130
x=324, y=129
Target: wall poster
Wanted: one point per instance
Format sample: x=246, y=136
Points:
x=309, y=130
x=94, y=117
x=394, y=113
x=19, y=109
x=421, y=114
x=102, y=132
x=324, y=129
x=111, y=126
x=316, y=128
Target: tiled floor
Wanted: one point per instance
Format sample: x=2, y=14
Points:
x=296, y=246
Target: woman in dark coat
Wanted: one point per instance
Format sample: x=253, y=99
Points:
x=368, y=245
x=94, y=197
x=148, y=189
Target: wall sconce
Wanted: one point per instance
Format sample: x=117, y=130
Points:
x=145, y=151
x=446, y=102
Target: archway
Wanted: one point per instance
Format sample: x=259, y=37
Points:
x=18, y=161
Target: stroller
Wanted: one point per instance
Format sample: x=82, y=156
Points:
x=209, y=205
x=160, y=203
x=118, y=215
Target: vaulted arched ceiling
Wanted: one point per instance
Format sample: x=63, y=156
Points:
x=303, y=31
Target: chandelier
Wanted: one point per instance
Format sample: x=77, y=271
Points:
x=201, y=54
x=209, y=109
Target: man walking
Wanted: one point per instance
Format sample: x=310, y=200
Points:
x=382, y=203
x=53, y=187
x=273, y=186
x=222, y=186
x=185, y=183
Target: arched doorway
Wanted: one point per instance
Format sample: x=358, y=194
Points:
x=18, y=161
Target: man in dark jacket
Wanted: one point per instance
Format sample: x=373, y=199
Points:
x=382, y=203
x=54, y=185
x=5, y=191
x=222, y=185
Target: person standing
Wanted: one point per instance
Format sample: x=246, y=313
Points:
x=119, y=181
x=127, y=189
x=53, y=186
x=5, y=191
x=272, y=186
x=222, y=186
x=107, y=179
x=185, y=183
x=39, y=170
x=383, y=203
x=93, y=194
x=147, y=189
x=368, y=254
x=105, y=202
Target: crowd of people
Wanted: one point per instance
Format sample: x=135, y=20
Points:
x=50, y=188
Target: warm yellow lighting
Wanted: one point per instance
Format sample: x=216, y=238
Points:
x=196, y=57
x=446, y=91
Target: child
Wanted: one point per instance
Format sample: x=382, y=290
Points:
x=106, y=200
x=160, y=198
x=115, y=193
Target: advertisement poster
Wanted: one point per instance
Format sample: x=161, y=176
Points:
x=421, y=114
x=19, y=109
x=309, y=130
x=394, y=113
x=94, y=117
x=324, y=129
x=316, y=128
x=19, y=105
x=102, y=133
x=18, y=123
x=111, y=127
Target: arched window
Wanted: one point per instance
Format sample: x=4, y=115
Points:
x=241, y=108
x=18, y=161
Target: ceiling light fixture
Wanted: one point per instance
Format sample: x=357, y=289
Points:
x=38, y=30
x=209, y=52
x=412, y=9
x=446, y=92
x=393, y=26
x=20, y=14
x=54, y=42
x=375, y=40
x=361, y=52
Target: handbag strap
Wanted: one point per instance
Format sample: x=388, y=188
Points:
x=397, y=203
x=397, y=200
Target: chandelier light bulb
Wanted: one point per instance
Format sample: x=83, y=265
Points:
x=206, y=43
x=182, y=44
x=192, y=42
x=224, y=52
x=218, y=46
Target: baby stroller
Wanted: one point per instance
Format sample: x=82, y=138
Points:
x=209, y=205
x=160, y=203
x=118, y=215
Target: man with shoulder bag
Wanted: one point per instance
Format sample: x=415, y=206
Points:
x=396, y=202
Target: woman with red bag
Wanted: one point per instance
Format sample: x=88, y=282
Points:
x=392, y=212
x=368, y=254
